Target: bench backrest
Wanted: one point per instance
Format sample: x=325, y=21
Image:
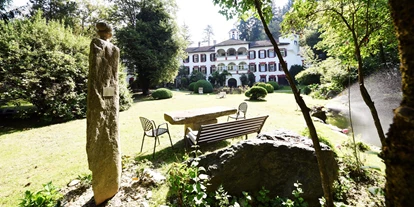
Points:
x=221, y=131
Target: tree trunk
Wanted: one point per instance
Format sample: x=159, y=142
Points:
x=305, y=111
x=398, y=150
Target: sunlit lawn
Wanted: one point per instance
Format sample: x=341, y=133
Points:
x=57, y=153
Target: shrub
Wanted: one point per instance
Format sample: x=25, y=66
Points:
x=256, y=92
x=207, y=87
x=306, y=90
x=274, y=84
x=191, y=86
x=309, y=76
x=45, y=64
x=162, y=93
x=125, y=96
x=48, y=197
x=269, y=88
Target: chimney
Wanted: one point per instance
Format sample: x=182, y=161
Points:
x=199, y=44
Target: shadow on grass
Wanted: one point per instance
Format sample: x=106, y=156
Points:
x=179, y=152
x=11, y=123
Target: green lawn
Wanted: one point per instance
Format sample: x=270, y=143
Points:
x=57, y=153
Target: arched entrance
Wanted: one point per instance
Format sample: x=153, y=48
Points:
x=232, y=83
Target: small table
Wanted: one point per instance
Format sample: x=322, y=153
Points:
x=194, y=118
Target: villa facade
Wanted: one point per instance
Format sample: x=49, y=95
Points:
x=240, y=57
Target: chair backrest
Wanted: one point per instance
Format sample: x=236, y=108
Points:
x=242, y=108
x=147, y=124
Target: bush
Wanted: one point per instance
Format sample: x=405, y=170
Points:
x=306, y=90
x=191, y=86
x=207, y=87
x=162, y=93
x=309, y=76
x=269, y=88
x=274, y=84
x=125, y=96
x=256, y=92
x=45, y=64
x=48, y=197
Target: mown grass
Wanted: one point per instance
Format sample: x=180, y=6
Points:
x=57, y=153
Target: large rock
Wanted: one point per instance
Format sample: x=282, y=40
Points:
x=275, y=161
x=102, y=145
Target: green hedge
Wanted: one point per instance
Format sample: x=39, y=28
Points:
x=162, y=93
x=274, y=84
x=206, y=85
x=256, y=92
x=269, y=88
x=191, y=86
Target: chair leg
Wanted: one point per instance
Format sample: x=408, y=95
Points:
x=142, y=144
x=155, y=144
x=159, y=143
x=170, y=140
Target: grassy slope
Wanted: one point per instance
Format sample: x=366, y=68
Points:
x=57, y=153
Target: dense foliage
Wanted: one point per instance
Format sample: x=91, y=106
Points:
x=207, y=87
x=274, y=84
x=162, y=93
x=191, y=86
x=269, y=88
x=149, y=42
x=256, y=93
x=45, y=64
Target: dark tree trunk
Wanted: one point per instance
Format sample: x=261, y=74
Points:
x=305, y=111
x=144, y=83
x=399, y=148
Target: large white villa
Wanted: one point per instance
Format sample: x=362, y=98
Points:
x=240, y=57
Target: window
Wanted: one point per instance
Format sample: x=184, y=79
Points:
x=203, y=69
x=203, y=58
x=263, y=79
x=231, y=52
x=212, y=69
x=262, y=67
x=252, y=67
x=272, y=67
x=231, y=67
x=280, y=66
x=283, y=52
x=221, y=53
x=271, y=53
x=262, y=54
x=195, y=68
x=242, y=66
x=221, y=67
x=252, y=54
x=187, y=70
x=213, y=57
x=195, y=58
x=186, y=60
x=272, y=78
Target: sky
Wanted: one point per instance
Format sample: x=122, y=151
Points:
x=197, y=14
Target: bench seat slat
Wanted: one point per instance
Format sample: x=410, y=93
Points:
x=221, y=131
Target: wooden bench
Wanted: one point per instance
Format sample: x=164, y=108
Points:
x=221, y=131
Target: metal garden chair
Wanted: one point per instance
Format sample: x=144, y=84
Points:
x=151, y=131
x=241, y=112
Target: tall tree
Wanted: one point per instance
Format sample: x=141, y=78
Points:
x=150, y=42
x=350, y=30
x=263, y=9
x=64, y=11
x=185, y=34
x=208, y=34
x=398, y=149
x=251, y=29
